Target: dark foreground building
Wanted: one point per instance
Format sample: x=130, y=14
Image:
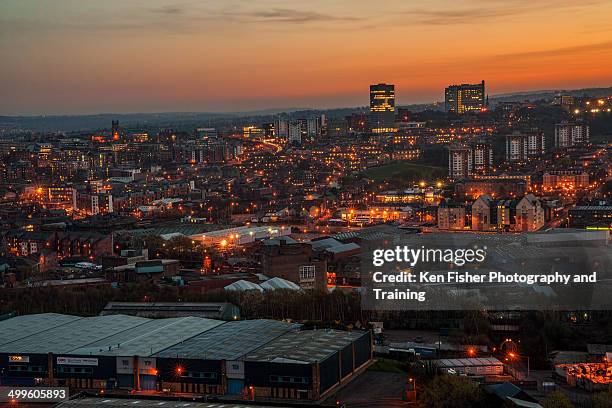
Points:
x=246, y=359
x=103, y=402
x=157, y=310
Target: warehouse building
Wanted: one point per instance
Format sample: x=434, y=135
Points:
x=93, y=402
x=157, y=310
x=243, y=358
x=306, y=364
x=482, y=366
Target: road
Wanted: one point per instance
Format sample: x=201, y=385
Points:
x=373, y=389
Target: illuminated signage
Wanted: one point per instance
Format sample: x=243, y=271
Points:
x=83, y=361
x=19, y=359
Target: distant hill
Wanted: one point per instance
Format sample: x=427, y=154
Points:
x=548, y=94
x=187, y=120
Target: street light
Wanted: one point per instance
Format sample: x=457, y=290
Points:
x=412, y=383
x=516, y=356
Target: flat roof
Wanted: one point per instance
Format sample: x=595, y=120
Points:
x=186, y=337
x=19, y=327
x=242, y=230
x=130, y=402
x=468, y=362
x=230, y=341
x=173, y=306
x=307, y=346
x=170, y=309
x=149, y=338
x=592, y=208
x=67, y=337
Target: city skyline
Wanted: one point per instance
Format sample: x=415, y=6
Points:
x=156, y=56
x=324, y=203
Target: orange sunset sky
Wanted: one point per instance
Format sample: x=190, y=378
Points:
x=82, y=56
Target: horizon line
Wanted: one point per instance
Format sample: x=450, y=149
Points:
x=261, y=112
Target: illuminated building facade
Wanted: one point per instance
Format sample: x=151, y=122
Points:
x=465, y=98
x=565, y=179
x=503, y=187
x=374, y=215
x=252, y=132
x=417, y=195
x=85, y=244
x=563, y=100
x=570, y=134
x=465, y=160
x=54, y=197
x=521, y=146
x=404, y=152
x=518, y=215
x=382, y=108
x=460, y=163
x=295, y=132
x=140, y=137
x=94, y=203
x=591, y=217
x=482, y=157
x=115, y=131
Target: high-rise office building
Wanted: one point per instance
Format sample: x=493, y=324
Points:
x=570, y=134
x=465, y=98
x=382, y=108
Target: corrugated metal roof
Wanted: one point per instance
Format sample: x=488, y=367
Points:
x=306, y=346
x=149, y=338
x=20, y=327
x=592, y=208
x=468, y=362
x=131, y=403
x=72, y=335
x=229, y=341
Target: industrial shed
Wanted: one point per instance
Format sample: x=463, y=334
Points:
x=252, y=358
x=484, y=366
x=92, y=402
x=307, y=364
x=156, y=310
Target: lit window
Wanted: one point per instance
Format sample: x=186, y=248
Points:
x=307, y=272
